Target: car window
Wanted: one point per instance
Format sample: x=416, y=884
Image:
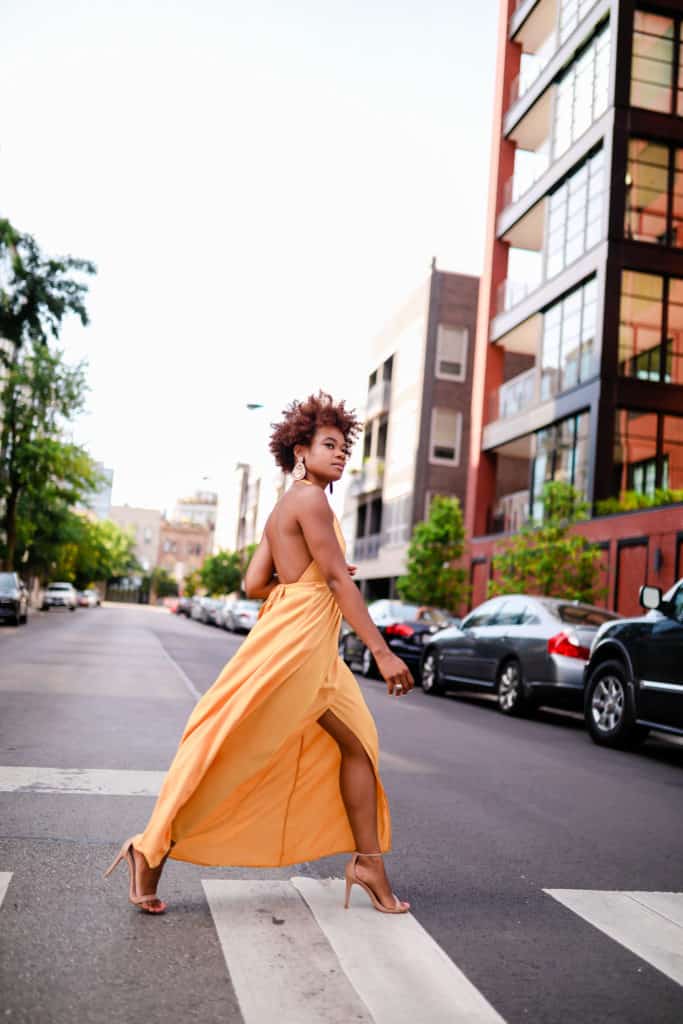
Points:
x=583, y=614
x=511, y=612
x=677, y=604
x=378, y=610
x=399, y=610
x=483, y=615
x=60, y=586
x=7, y=582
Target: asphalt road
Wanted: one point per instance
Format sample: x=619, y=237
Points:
x=488, y=815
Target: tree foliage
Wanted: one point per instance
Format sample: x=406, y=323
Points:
x=436, y=544
x=221, y=573
x=38, y=394
x=548, y=559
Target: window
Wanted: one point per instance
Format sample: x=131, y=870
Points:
x=445, y=436
x=567, y=350
x=147, y=535
x=582, y=93
x=367, y=440
x=648, y=452
x=575, y=215
x=388, y=369
x=651, y=327
x=560, y=453
x=512, y=612
x=396, y=517
x=654, y=193
x=656, y=72
x=382, y=437
x=483, y=615
x=372, y=380
x=451, y=352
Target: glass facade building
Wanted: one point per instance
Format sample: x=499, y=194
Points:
x=579, y=351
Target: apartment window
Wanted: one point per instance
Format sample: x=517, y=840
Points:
x=388, y=369
x=382, y=431
x=571, y=13
x=567, y=352
x=147, y=535
x=646, y=446
x=451, y=352
x=651, y=327
x=575, y=215
x=582, y=92
x=445, y=436
x=372, y=380
x=656, y=65
x=654, y=193
x=396, y=518
x=560, y=453
x=367, y=440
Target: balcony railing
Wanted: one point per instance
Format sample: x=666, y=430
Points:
x=514, y=396
x=511, y=293
x=367, y=547
x=369, y=477
x=512, y=511
x=532, y=66
x=526, y=176
x=378, y=398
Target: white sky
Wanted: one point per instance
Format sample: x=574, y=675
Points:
x=261, y=186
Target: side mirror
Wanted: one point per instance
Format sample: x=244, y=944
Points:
x=650, y=597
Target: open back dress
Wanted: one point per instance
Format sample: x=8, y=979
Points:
x=255, y=780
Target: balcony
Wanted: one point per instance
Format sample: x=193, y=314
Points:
x=514, y=396
x=367, y=547
x=512, y=511
x=368, y=478
x=378, y=399
x=532, y=64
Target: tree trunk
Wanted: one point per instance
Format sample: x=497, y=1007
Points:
x=11, y=528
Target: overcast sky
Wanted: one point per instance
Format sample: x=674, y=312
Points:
x=260, y=185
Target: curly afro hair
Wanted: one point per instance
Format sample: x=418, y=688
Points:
x=302, y=419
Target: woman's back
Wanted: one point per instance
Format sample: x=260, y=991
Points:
x=288, y=548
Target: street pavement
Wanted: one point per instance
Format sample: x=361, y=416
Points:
x=545, y=874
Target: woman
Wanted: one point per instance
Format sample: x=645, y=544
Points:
x=278, y=761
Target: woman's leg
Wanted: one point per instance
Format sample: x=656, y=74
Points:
x=359, y=793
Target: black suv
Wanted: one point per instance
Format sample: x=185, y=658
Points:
x=634, y=678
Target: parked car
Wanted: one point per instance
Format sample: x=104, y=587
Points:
x=60, y=595
x=223, y=610
x=184, y=606
x=199, y=609
x=13, y=598
x=634, y=678
x=213, y=607
x=89, y=598
x=406, y=627
x=528, y=650
x=242, y=615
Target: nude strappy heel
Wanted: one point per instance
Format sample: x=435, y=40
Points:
x=353, y=879
x=126, y=853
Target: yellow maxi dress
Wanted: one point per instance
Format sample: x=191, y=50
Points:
x=255, y=780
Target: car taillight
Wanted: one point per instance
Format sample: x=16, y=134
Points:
x=567, y=644
x=399, y=629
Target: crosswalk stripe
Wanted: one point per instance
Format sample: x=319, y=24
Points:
x=280, y=964
x=5, y=877
x=649, y=924
x=94, y=781
x=400, y=972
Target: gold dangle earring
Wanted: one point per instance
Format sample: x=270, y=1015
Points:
x=299, y=471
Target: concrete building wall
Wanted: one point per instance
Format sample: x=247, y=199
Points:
x=145, y=525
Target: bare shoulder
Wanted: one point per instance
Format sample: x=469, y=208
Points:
x=308, y=501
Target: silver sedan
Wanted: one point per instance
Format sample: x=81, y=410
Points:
x=527, y=650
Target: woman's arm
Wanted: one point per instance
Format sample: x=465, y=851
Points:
x=259, y=581
x=317, y=524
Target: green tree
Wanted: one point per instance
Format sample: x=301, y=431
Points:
x=548, y=559
x=191, y=583
x=436, y=544
x=38, y=392
x=37, y=464
x=222, y=573
x=160, y=583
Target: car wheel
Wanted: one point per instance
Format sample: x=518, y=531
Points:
x=510, y=689
x=431, y=682
x=72, y=607
x=368, y=665
x=608, y=713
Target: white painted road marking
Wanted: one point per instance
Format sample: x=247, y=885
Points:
x=281, y=966
x=92, y=781
x=649, y=924
x=5, y=877
x=399, y=971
